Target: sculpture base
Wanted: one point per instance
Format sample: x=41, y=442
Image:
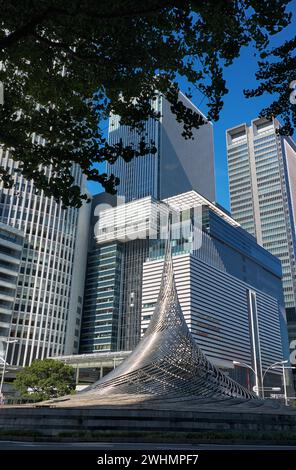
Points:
x=123, y=413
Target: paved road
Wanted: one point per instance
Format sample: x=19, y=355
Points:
x=105, y=446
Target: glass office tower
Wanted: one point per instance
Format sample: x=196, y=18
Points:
x=47, y=311
x=179, y=164
x=119, y=244
x=262, y=178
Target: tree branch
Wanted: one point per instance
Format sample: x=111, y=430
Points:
x=135, y=13
x=67, y=48
x=24, y=31
x=29, y=28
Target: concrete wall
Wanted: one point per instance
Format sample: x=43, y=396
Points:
x=78, y=280
x=218, y=417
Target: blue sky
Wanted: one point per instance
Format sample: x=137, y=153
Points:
x=237, y=109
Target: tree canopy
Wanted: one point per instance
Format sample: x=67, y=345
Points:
x=67, y=64
x=45, y=379
x=277, y=74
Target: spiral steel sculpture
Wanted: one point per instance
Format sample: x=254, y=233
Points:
x=167, y=363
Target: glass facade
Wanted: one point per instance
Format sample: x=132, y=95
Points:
x=178, y=165
x=102, y=299
x=120, y=237
x=262, y=192
x=135, y=252
x=240, y=184
x=11, y=245
x=43, y=296
x=140, y=176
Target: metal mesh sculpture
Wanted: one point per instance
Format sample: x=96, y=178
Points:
x=167, y=362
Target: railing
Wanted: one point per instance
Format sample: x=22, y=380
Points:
x=17, y=401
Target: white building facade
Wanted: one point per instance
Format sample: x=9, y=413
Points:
x=216, y=307
x=229, y=289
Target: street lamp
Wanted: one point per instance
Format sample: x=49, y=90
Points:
x=272, y=366
x=8, y=342
x=237, y=363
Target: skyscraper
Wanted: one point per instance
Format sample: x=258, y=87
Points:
x=120, y=237
x=11, y=245
x=49, y=294
x=226, y=282
x=179, y=165
x=229, y=289
x=262, y=178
